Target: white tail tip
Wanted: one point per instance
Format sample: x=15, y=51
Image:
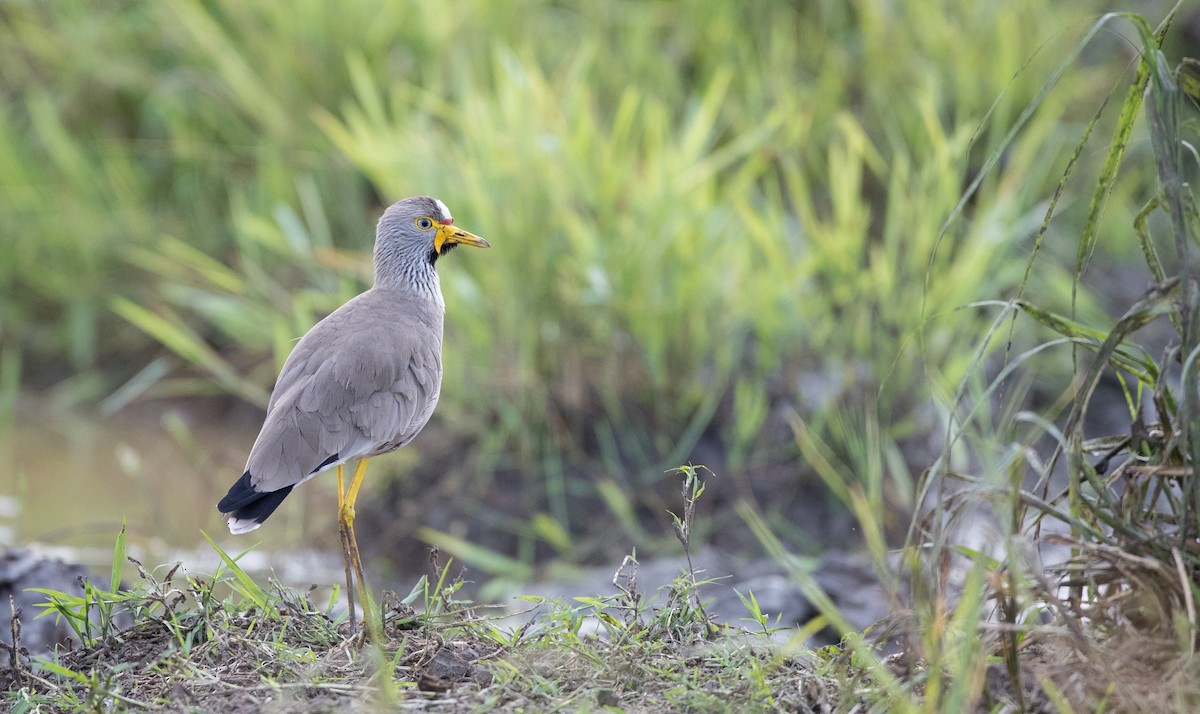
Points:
x=237, y=526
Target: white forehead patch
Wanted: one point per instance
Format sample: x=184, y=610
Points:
x=442, y=208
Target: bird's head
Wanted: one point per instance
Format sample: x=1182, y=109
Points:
x=422, y=225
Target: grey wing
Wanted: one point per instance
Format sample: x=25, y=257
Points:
x=370, y=395
x=391, y=416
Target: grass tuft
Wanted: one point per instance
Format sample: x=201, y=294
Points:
x=217, y=644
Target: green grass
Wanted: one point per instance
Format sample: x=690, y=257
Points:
x=780, y=188
x=1051, y=554
x=736, y=215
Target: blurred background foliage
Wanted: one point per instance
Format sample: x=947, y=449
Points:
x=709, y=219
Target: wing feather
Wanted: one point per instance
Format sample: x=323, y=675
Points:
x=362, y=382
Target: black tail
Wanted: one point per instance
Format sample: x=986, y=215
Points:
x=243, y=501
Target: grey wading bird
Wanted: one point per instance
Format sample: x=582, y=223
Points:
x=361, y=382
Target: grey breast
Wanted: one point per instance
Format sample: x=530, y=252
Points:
x=362, y=382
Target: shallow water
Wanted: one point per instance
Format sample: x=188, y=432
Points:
x=72, y=477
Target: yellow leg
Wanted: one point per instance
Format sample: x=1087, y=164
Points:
x=347, y=555
x=346, y=515
x=356, y=484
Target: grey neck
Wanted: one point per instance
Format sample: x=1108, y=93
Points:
x=405, y=270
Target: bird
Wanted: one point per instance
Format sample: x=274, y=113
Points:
x=362, y=382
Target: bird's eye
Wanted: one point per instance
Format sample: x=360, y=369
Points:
x=424, y=223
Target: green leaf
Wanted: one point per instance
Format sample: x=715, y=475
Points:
x=118, y=562
x=246, y=585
